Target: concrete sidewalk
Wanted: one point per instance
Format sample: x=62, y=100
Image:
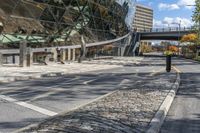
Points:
x=8, y=73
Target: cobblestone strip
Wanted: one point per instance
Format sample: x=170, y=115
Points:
x=128, y=110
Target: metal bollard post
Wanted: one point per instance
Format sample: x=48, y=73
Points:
x=168, y=63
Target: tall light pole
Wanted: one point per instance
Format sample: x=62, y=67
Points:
x=168, y=24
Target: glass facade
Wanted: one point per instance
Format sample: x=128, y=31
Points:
x=65, y=22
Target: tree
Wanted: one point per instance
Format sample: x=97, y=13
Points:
x=173, y=49
x=196, y=18
x=192, y=39
x=145, y=48
x=189, y=38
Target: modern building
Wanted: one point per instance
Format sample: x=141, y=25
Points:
x=143, y=19
x=61, y=22
x=61, y=28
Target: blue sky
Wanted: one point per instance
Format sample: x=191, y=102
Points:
x=167, y=12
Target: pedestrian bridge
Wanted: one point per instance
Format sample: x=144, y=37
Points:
x=170, y=33
x=173, y=33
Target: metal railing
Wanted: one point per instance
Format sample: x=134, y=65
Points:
x=168, y=29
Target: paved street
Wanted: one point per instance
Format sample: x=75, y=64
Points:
x=26, y=102
x=184, y=114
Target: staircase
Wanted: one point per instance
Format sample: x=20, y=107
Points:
x=131, y=49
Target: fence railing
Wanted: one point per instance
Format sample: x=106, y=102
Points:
x=168, y=29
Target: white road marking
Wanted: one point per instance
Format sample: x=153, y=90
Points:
x=29, y=106
x=176, y=69
x=89, y=81
x=44, y=95
x=154, y=72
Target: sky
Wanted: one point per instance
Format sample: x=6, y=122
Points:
x=171, y=12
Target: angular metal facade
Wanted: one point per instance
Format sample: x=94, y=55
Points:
x=64, y=22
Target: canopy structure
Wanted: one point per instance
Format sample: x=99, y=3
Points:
x=64, y=21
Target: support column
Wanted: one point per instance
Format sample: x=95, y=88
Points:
x=13, y=59
x=1, y=59
x=63, y=55
x=198, y=53
x=74, y=54
x=55, y=55
x=29, y=57
x=69, y=54
x=22, y=54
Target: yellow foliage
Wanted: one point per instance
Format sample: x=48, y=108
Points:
x=189, y=38
x=146, y=48
x=173, y=49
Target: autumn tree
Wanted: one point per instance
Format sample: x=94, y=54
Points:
x=192, y=39
x=173, y=49
x=189, y=38
x=145, y=48
x=196, y=18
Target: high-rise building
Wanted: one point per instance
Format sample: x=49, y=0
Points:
x=143, y=19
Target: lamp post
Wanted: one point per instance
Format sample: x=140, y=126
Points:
x=168, y=24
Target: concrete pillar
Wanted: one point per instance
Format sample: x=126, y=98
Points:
x=13, y=59
x=29, y=57
x=22, y=54
x=74, y=54
x=1, y=59
x=69, y=54
x=198, y=53
x=63, y=55
x=55, y=54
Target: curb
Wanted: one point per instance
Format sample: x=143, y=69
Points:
x=157, y=121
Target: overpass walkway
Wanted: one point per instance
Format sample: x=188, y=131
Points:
x=170, y=33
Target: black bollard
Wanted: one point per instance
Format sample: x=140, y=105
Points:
x=168, y=63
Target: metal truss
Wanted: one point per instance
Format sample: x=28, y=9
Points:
x=63, y=22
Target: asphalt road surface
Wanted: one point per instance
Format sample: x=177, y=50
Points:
x=25, y=102
x=184, y=114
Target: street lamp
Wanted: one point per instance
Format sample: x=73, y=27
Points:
x=168, y=24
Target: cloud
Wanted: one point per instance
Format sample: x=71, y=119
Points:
x=177, y=5
x=164, y=6
x=173, y=22
x=185, y=3
x=157, y=23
